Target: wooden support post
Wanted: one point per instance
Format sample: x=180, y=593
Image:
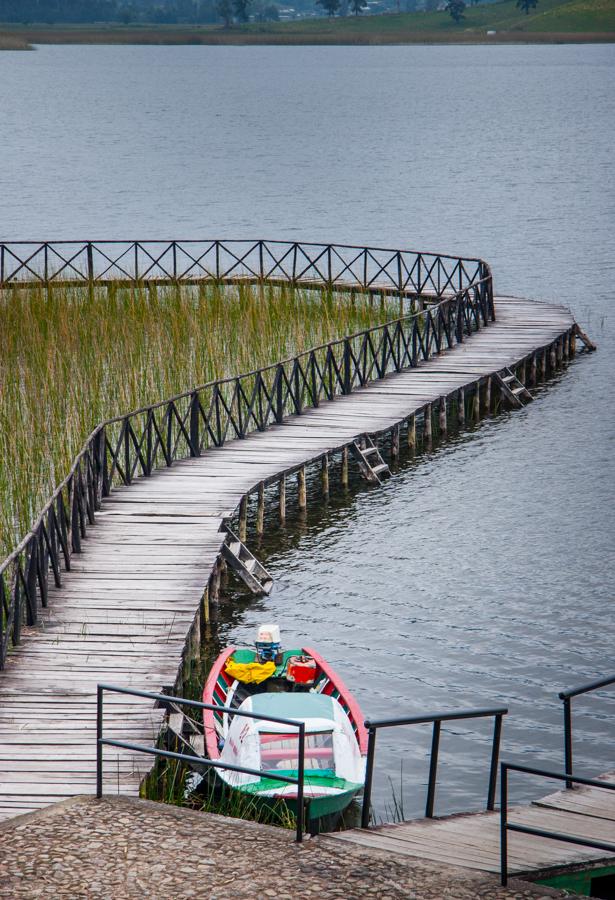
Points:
x=522, y=373
x=559, y=349
x=476, y=403
x=345, y=467
x=533, y=370
x=573, y=342
x=283, y=499
x=442, y=418
x=544, y=364
x=214, y=592
x=325, y=474
x=411, y=437
x=427, y=435
x=461, y=406
x=243, y=518
x=301, y=486
x=260, y=509
x=553, y=357
x=395, y=442
x=488, y=395
x=206, y=613
x=565, y=343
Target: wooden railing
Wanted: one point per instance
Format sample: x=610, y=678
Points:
x=192, y=262
x=136, y=444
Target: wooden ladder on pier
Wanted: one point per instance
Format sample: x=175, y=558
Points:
x=513, y=388
x=246, y=565
x=371, y=463
x=184, y=734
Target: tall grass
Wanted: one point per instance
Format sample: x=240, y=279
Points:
x=70, y=358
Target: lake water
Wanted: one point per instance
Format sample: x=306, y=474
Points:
x=482, y=573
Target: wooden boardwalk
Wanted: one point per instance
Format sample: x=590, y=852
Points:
x=473, y=841
x=131, y=597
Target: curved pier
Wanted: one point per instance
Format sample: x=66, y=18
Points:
x=151, y=558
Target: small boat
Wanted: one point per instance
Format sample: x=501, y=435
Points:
x=293, y=684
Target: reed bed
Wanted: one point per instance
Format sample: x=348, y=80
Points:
x=71, y=357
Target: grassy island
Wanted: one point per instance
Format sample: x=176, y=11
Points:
x=70, y=359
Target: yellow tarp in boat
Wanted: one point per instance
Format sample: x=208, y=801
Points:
x=250, y=673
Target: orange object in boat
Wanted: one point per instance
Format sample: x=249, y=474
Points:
x=301, y=669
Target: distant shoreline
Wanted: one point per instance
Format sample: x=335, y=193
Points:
x=331, y=34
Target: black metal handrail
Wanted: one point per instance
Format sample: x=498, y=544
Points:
x=135, y=444
x=506, y=826
x=195, y=261
x=566, y=696
x=437, y=719
x=165, y=699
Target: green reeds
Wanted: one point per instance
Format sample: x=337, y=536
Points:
x=71, y=357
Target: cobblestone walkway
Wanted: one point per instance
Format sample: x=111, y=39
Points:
x=120, y=849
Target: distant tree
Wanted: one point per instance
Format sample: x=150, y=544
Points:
x=526, y=5
x=456, y=8
x=241, y=9
x=357, y=5
x=266, y=12
x=224, y=8
x=331, y=6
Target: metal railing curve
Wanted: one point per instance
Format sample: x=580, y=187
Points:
x=168, y=699
x=374, y=725
x=566, y=696
x=136, y=444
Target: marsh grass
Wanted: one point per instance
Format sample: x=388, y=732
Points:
x=172, y=782
x=70, y=358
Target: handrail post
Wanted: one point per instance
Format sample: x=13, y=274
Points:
x=195, y=449
x=568, y=740
x=347, y=378
x=433, y=770
x=369, y=774
x=495, y=753
x=300, y=782
x=99, y=739
x=90, y=258
x=504, y=824
x=279, y=398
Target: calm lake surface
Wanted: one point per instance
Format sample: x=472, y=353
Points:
x=482, y=573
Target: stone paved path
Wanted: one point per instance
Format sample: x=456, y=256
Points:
x=123, y=848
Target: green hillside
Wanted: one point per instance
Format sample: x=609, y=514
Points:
x=551, y=22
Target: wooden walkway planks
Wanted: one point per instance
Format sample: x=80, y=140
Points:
x=473, y=841
x=125, y=608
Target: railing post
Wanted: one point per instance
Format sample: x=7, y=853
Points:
x=433, y=770
x=495, y=753
x=347, y=373
x=175, y=261
x=300, y=780
x=31, y=575
x=369, y=775
x=279, y=391
x=90, y=259
x=460, y=319
x=503, y=824
x=568, y=740
x=99, y=744
x=195, y=449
